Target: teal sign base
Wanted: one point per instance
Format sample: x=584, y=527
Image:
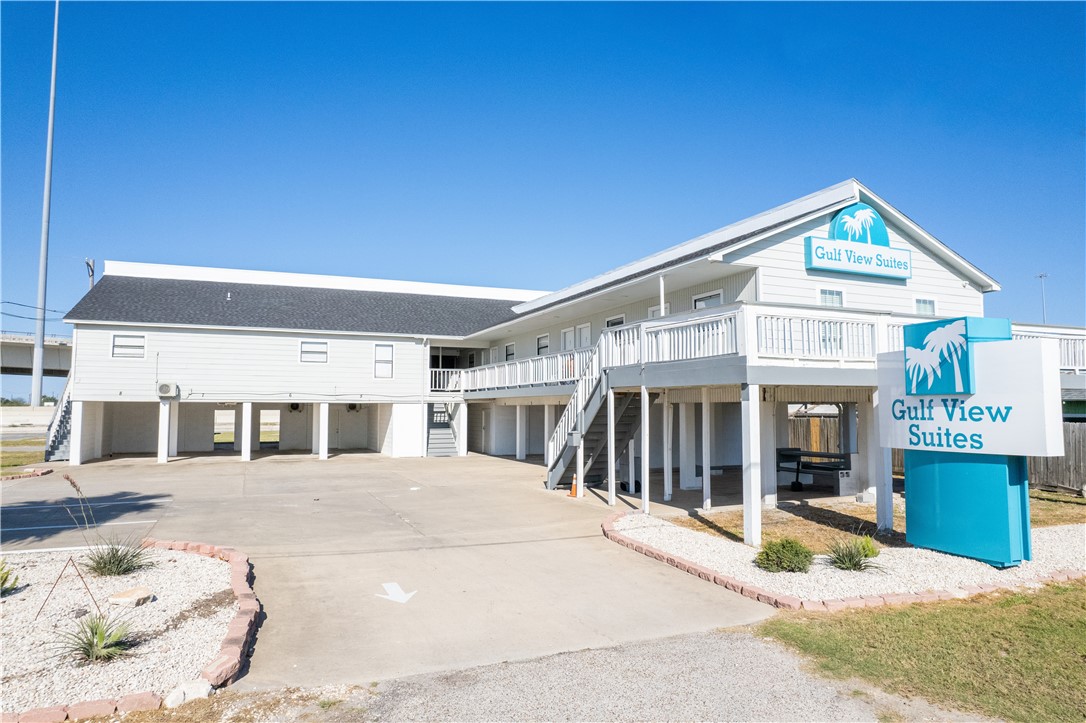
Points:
x=973, y=505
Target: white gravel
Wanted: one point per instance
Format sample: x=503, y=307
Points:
x=904, y=570
x=174, y=650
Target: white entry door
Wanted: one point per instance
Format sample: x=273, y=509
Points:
x=568, y=339
x=584, y=336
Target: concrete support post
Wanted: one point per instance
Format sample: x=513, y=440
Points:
x=630, y=467
x=322, y=436
x=611, y=459
x=462, y=429
x=246, y=431
x=668, y=410
x=880, y=471
x=580, y=457
x=646, y=449
x=314, y=429
x=687, y=473
x=238, y=414
x=522, y=432
x=548, y=430
x=175, y=418
x=752, y=464
x=706, y=450
x=163, y=431
x=75, y=437
x=768, y=434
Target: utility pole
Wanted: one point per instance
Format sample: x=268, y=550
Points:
x=43, y=260
x=1044, y=310
x=90, y=272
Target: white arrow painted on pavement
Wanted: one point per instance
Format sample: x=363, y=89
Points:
x=395, y=593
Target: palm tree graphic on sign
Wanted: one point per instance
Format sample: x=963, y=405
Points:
x=949, y=341
x=921, y=363
x=858, y=224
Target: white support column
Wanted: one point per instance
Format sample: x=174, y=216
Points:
x=462, y=429
x=663, y=298
x=580, y=461
x=668, y=410
x=238, y=414
x=880, y=470
x=322, y=437
x=646, y=446
x=752, y=467
x=687, y=474
x=522, y=432
x=611, y=483
x=75, y=437
x=548, y=430
x=246, y=431
x=315, y=428
x=630, y=456
x=769, y=450
x=175, y=415
x=706, y=450
x=163, y=431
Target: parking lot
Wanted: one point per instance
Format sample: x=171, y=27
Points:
x=496, y=568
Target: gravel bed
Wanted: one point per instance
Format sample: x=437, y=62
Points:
x=904, y=570
x=183, y=627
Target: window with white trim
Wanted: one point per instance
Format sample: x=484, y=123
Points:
x=510, y=352
x=831, y=297
x=614, y=321
x=130, y=346
x=382, y=361
x=925, y=307
x=542, y=344
x=654, y=311
x=705, y=301
x=313, y=352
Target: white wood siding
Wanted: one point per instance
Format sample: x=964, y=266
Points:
x=212, y=365
x=783, y=278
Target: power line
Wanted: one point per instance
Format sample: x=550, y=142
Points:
x=32, y=318
x=29, y=306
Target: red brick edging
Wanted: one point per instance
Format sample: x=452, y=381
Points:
x=220, y=672
x=789, y=602
x=25, y=475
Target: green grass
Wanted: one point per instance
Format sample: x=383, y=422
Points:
x=1017, y=656
x=10, y=460
x=228, y=437
x=1057, y=497
x=35, y=442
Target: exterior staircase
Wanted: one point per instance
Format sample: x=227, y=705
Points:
x=440, y=441
x=58, y=438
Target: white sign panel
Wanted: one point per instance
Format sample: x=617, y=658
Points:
x=855, y=258
x=1016, y=409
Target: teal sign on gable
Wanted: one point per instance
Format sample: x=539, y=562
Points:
x=858, y=243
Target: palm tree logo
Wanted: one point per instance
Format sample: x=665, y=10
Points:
x=949, y=341
x=920, y=364
x=858, y=224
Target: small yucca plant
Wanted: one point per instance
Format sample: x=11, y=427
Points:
x=852, y=554
x=9, y=581
x=116, y=557
x=97, y=638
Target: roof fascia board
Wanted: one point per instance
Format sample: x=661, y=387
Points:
x=260, y=329
x=313, y=281
x=649, y=264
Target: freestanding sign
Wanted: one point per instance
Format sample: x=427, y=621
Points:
x=968, y=405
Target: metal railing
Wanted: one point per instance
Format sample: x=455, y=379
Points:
x=571, y=415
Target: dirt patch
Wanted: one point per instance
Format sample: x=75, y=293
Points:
x=203, y=608
x=287, y=705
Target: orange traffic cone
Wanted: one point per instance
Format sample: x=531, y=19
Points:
x=573, y=487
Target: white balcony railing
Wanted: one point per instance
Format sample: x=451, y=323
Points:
x=765, y=332
x=445, y=380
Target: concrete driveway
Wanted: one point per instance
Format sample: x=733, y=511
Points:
x=501, y=568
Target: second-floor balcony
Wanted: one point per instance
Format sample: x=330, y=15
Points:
x=766, y=334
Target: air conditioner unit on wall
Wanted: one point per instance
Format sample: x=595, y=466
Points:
x=167, y=389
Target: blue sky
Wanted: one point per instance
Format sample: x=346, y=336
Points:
x=533, y=145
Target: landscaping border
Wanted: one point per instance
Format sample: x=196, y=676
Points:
x=26, y=475
x=789, y=602
x=220, y=672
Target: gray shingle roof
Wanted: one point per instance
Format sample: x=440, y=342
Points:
x=204, y=303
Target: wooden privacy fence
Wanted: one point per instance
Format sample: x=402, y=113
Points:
x=1061, y=474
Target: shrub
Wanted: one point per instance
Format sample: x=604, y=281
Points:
x=784, y=555
x=116, y=557
x=97, y=638
x=869, y=546
x=852, y=553
x=9, y=581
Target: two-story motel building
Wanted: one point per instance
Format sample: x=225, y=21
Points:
x=694, y=353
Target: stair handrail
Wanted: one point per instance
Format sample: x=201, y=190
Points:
x=587, y=381
x=58, y=412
